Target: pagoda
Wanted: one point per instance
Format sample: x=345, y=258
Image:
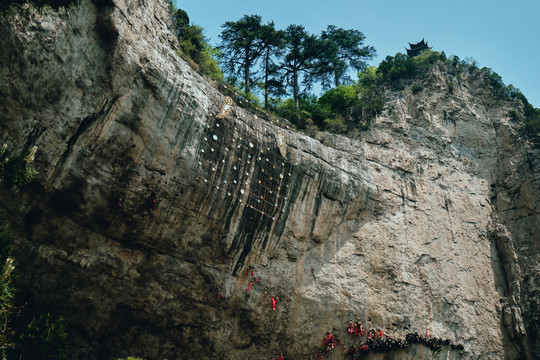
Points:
x=415, y=49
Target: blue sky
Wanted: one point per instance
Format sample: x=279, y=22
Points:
x=502, y=35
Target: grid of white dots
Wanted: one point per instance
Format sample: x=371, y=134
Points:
x=250, y=170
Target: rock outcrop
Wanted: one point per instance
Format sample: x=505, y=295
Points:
x=149, y=206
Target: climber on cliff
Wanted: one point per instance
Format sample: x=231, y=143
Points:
x=338, y=340
x=249, y=287
x=274, y=302
x=117, y=201
x=329, y=342
x=152, y=200
x=353, y=351
x=350, y=327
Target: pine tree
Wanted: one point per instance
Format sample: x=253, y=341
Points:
x=274, y=44
x=302, y=49
x=242, y=46
x=341, y=50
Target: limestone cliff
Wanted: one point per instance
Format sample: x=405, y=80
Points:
x=150, y=205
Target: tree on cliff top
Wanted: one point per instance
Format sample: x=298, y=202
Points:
x=302, y=50
x=242, y=44
x=273, y=44
x=340, y=50
x=194, y=45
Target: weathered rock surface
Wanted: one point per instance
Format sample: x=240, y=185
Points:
x=428, y=222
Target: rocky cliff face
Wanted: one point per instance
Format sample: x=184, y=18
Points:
x=151, y=204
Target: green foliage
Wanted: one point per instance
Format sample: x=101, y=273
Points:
x=274, y=45
x=339, y=99
x=6, y=289
x=180, y=20
x=531, y=129
x=43, y=339
x=194, y=45
x=335, y=125
x=495, y=80
x=416, y=88
x=513, y=115
x=241, y=46
x=15, y=168
x=451, y=87
x=301, y=52
x=340, y=50
x=395, y=68
x=287, y=109
x=370, y=100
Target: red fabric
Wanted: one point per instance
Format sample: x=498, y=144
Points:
x=380, y=333
x=249, y=287
x=274, y=301
x=327, y=338
x=251, y=273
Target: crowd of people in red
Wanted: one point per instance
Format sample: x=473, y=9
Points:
x=371, y=339
x=375, y=340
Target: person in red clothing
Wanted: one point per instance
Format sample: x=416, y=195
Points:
x=329, y=342
x=358, y=329
x=274, y=302
x=328, y=337
x=350, y=327
x=249, y=287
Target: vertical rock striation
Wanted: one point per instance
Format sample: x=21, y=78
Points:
x=149, y=207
